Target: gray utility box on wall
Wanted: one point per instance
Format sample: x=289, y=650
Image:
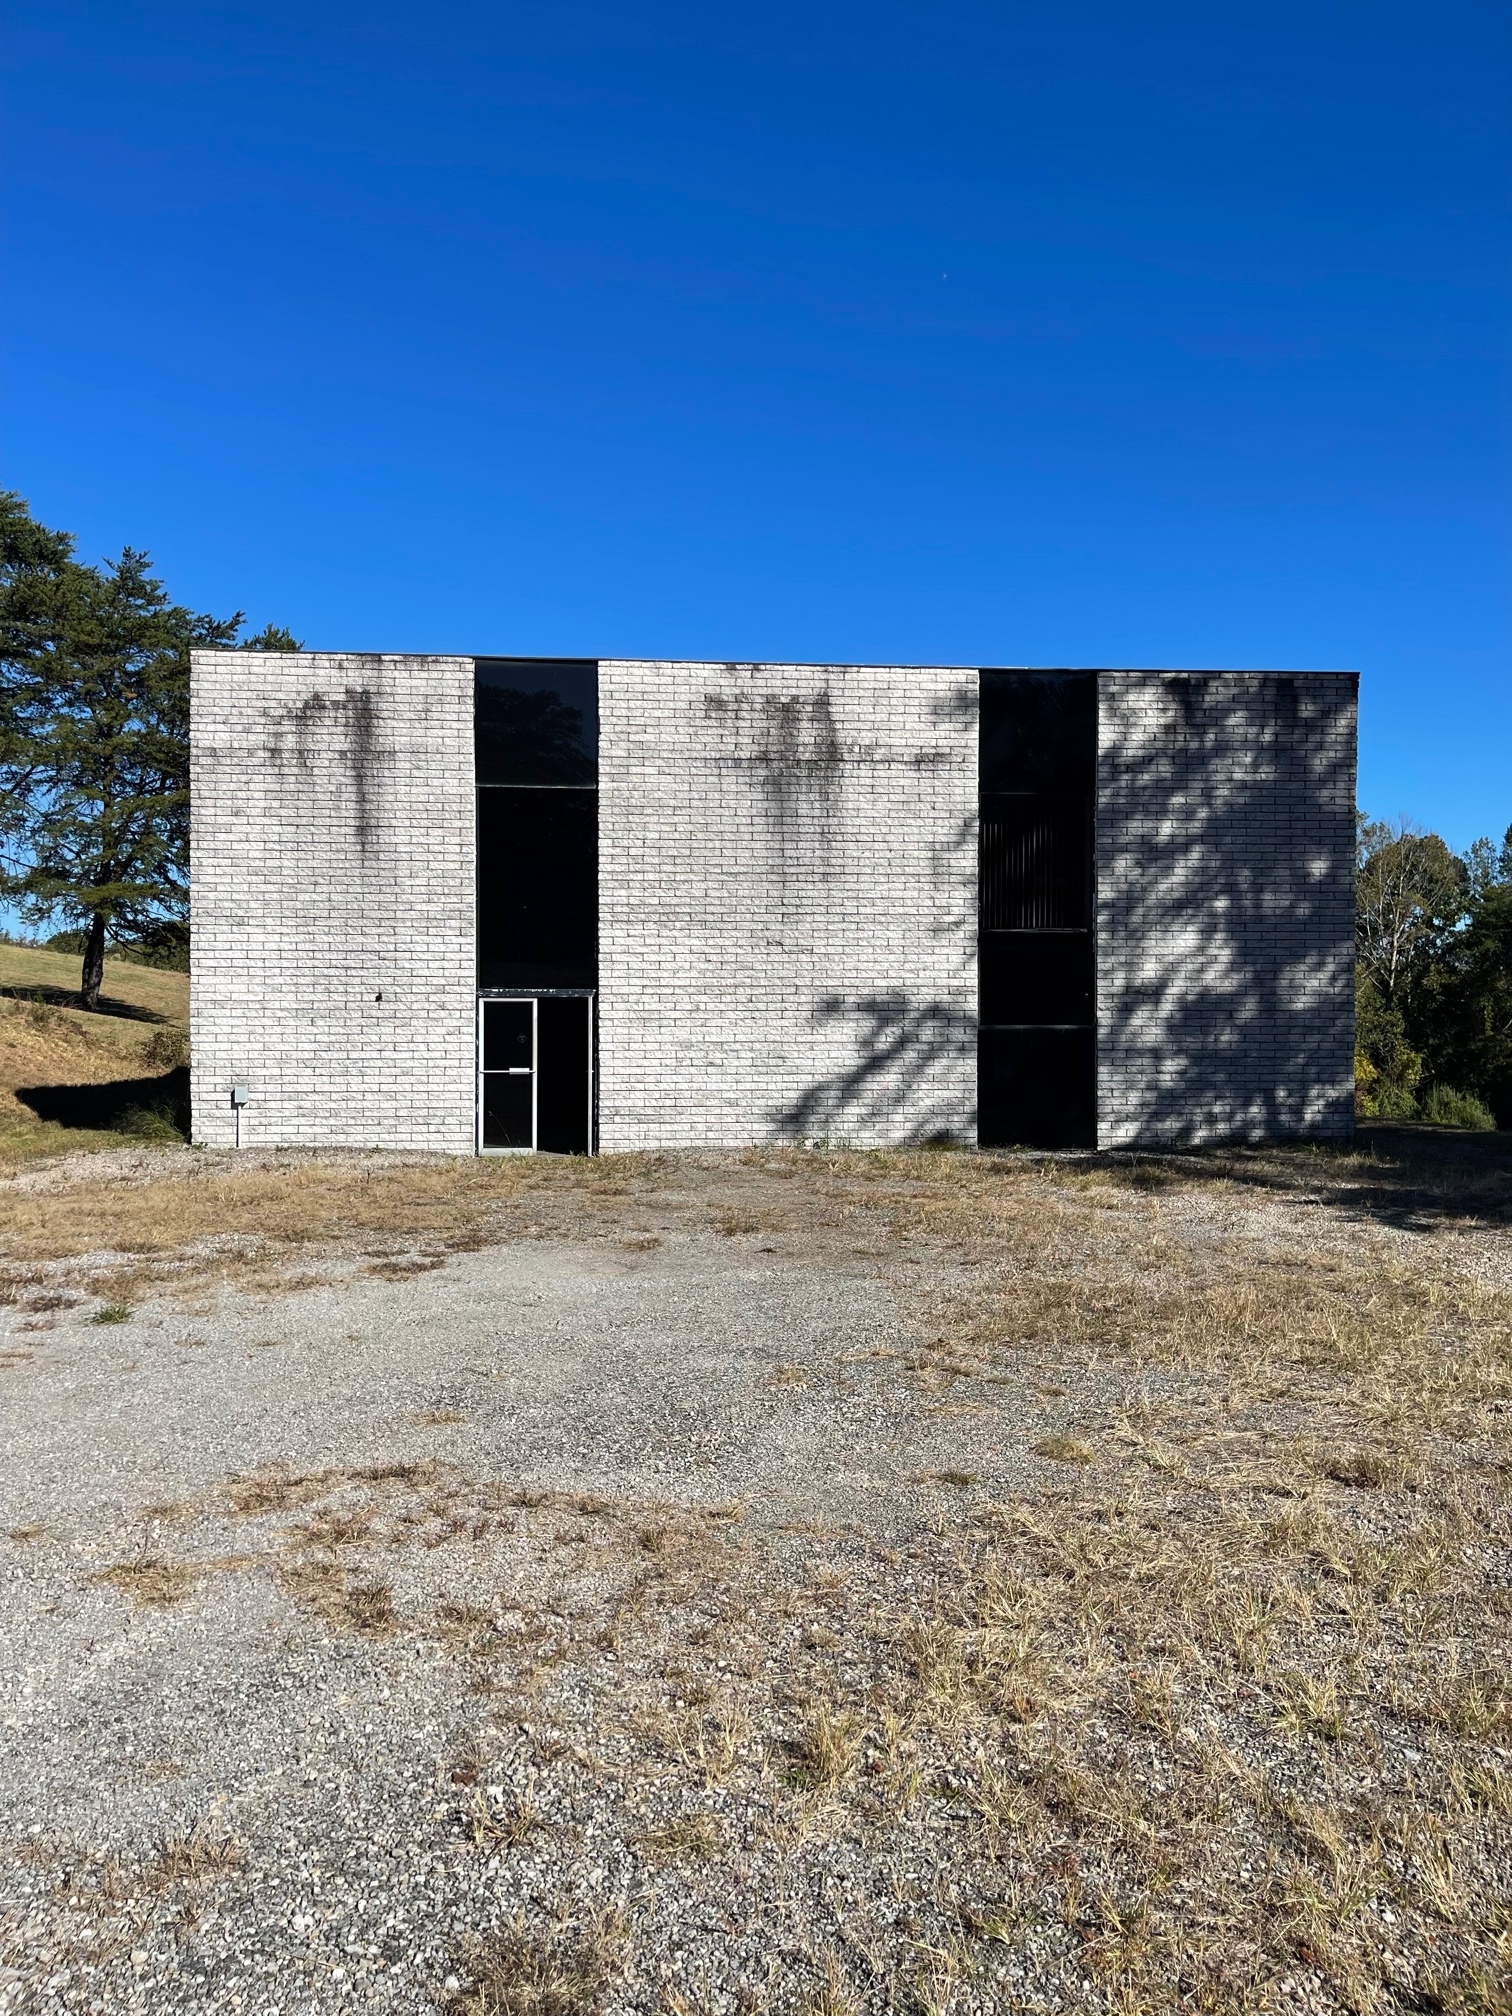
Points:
x=501, y=905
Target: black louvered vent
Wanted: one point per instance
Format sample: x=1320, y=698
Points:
x=1036, y=864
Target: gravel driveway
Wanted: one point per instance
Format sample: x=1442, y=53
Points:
x=262, y=1808
x=755, y=1586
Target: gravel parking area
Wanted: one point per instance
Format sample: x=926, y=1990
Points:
x=741, y=1592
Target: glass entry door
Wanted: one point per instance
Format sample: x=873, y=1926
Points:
x=535, y=1074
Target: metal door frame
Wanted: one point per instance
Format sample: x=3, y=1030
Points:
x=535, y=996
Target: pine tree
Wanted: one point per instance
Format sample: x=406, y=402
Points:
x=94, y=740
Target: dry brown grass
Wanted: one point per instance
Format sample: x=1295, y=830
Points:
x=255, y=1223
x=341, y=1598
x=690, y=1837
x=153, y=1583
x=564, y=1971
x=1213, y=1716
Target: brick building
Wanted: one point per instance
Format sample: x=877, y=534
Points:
x=459, y=904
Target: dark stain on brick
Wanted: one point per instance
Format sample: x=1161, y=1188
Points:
x=791, y=743
x=351, y=719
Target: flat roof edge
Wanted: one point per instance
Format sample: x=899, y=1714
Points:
x=803, y=664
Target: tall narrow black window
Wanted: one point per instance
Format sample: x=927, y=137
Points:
x=536, y=731
x=1037, y=1054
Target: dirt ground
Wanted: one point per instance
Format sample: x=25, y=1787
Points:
x=785, y=1582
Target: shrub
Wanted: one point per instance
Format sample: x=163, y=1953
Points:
x=150, y=1123
x=1445, y=1107
x=169, y=1048
x=1385, y=1101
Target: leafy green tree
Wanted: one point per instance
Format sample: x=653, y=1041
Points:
x=1462, y=1013
x=94, y=740
x=1411, y=893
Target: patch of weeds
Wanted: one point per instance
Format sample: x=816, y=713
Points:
x=709, y=1745
x=263, y=1491
x=1480, y=1991
x=195, y=1858
x=1484, y=1788
x=439, y=1417
x=152, y=1582
x=831, y=1997
x=1477, y=1707
x=504, y=1825
x=1311, y=1704
x=827, y=1746
x=1369, y=1470
x=467, y=1629
x=1065, y=1449
x=562, y=1971
x=786, y=1375
x=733, y=1224
x=402, y=1270
x=691, y=1837
x=281, y=1490
x=341, y=1600
x=112, y=1312
x=641, y=1242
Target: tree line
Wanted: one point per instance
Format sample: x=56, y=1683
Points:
x=94, y=828
x=1433, y=977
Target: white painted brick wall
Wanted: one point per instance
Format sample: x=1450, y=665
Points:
x=332, y=861
x=787, y=904
x=1225, y=906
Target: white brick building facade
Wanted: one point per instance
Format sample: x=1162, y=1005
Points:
x=332, y=873
x=1225, y=906
x=787, y=903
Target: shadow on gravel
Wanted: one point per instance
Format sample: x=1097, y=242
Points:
x=158, y=1107
x=1407, y=1175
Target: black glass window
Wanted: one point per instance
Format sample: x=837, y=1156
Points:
x=536, y=732
x=537, y=888
x=1039, y=732
x=1037, y=1064
x=536, y=720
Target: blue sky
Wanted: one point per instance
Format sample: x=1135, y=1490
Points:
x=1047, y=334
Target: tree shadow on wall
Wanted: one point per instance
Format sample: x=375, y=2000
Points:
x=903, y=1087
x=1225, y=888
